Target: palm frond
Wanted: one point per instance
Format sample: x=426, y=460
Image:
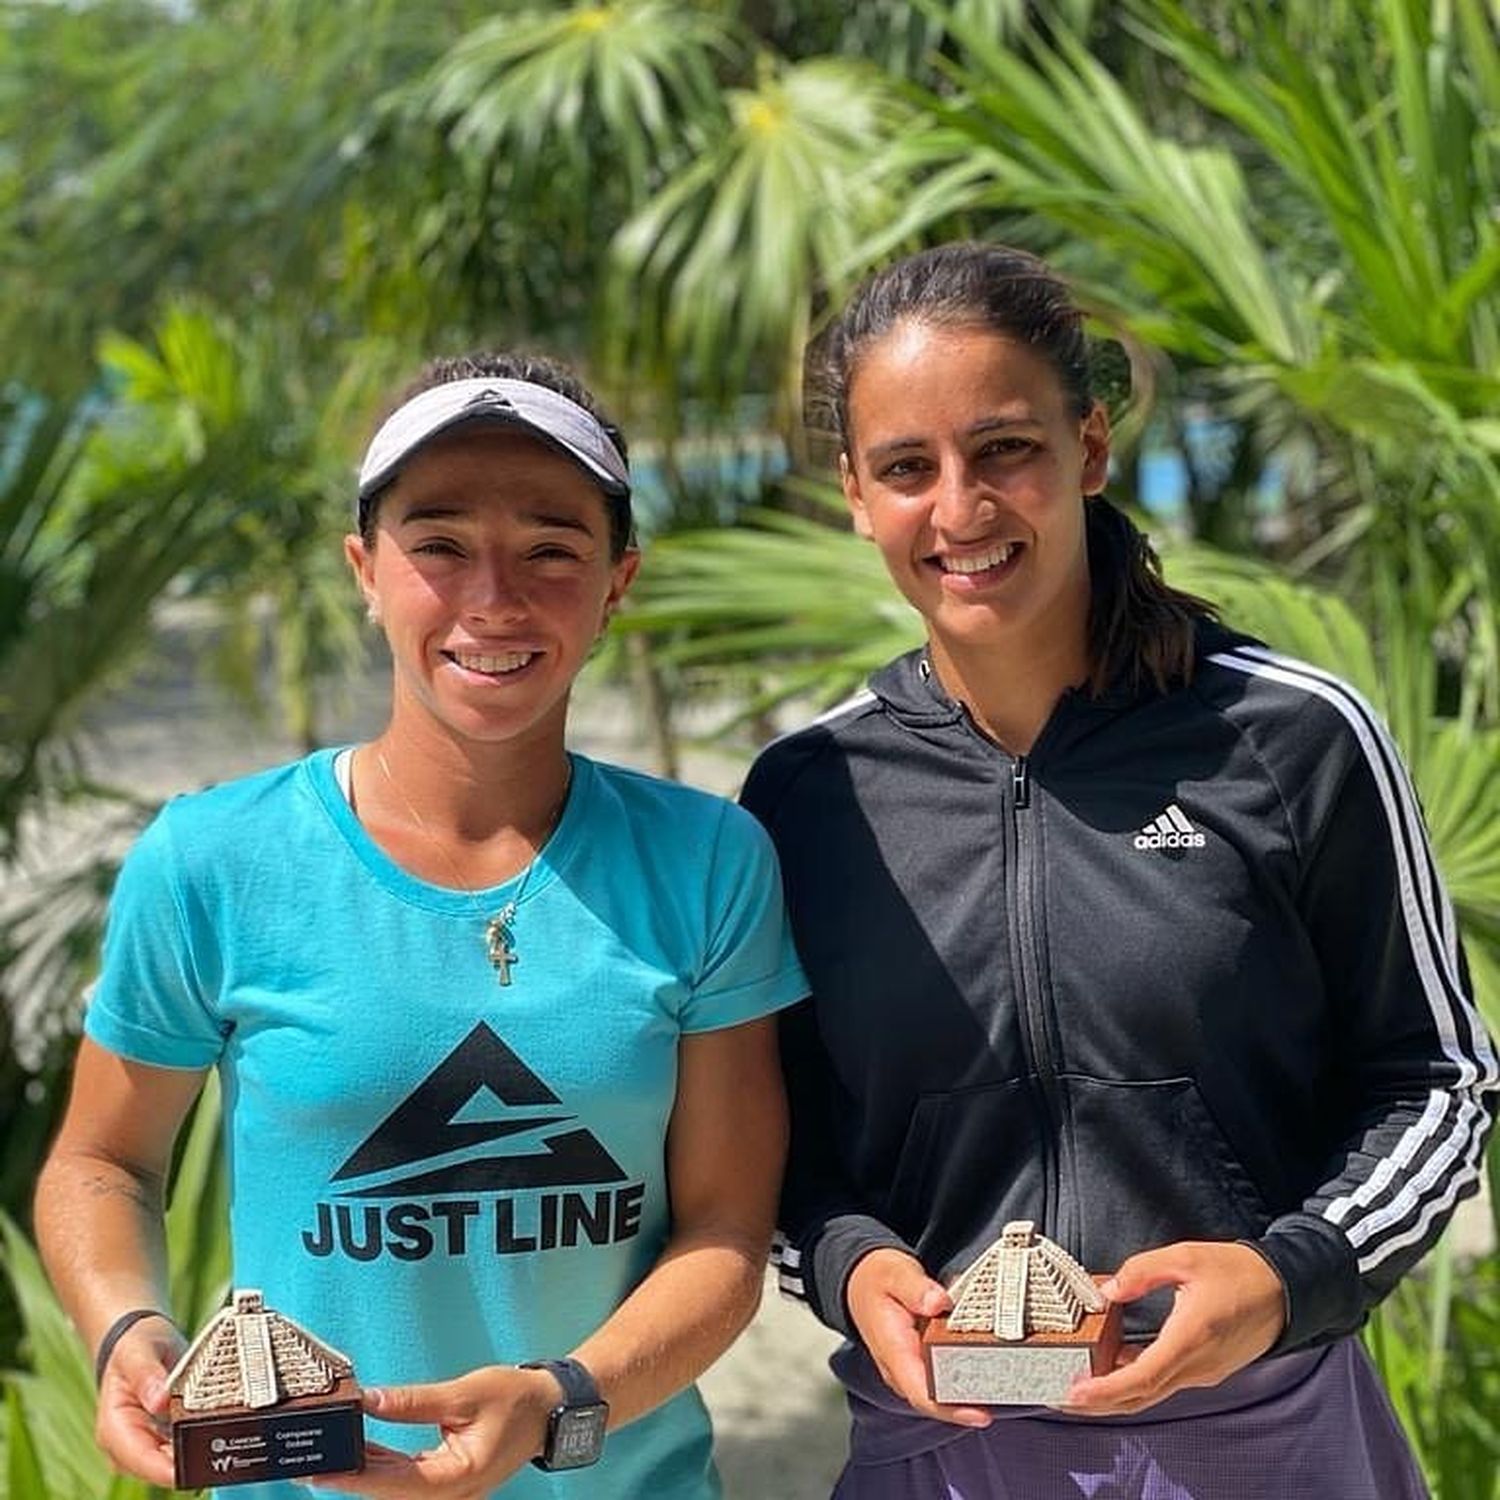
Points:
x=780, y=607
x=728, y=255
x=640, y=70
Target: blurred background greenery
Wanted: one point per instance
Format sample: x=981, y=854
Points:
x=229, y=227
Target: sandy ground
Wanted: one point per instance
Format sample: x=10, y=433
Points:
x=778, y=1414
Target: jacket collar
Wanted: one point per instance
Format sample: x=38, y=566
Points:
x=909, y=689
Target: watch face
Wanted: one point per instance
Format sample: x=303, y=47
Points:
x=577, y=1436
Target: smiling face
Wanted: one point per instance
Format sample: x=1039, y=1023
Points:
x=491, y=574
x=966, y=465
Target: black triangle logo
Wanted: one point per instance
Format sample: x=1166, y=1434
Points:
x=490, y=400
x=424, y=1126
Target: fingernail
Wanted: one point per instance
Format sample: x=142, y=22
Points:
x=154, y=1389
x=1110, y=1288
x=374, y=1398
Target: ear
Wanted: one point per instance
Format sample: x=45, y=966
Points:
x=849, y=483
x=621, y=576
x=362, y=565
x=1094, y=436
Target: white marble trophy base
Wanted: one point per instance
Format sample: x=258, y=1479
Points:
x=977, y=1369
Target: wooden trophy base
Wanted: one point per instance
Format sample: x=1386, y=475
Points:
x=241, y=1445
x=977, y=1369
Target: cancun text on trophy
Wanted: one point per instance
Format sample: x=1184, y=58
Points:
x=1027, y=1320
x=256, y=1398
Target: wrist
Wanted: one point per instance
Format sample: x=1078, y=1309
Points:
x=120, y=1329
x=540, y=1394
x=576, y=1415
x=830, y=1261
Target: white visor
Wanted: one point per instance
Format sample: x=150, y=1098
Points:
x=546, y=414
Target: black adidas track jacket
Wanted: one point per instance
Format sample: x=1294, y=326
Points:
x=1186, y=971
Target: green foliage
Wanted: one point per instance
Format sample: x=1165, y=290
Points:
x=729, y=254
x=79, y=575
x=278, y=501
x=1436, y=1345
x=589, y=84
x=539, y=132
x=777, y=608
x=170, y=150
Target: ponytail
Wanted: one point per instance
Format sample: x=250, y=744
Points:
x=1140, y=628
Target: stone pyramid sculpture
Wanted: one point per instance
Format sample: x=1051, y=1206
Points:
x=1023, y=1284
x=249, y=1356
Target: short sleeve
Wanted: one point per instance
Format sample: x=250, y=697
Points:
x=750, y=965
x=150, y=1003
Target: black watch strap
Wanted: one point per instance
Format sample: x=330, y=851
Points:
x=575, y=1426
x=579, y=1387
x=117, y=1330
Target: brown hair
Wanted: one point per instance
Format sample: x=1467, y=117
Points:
x=536, y=369
x=1139, y=628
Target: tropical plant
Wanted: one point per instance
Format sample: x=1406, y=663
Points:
x=228, y=149
x=1263, y=221
x=780, y=608
x=717, y=274
x=278, y=497
x=1436, y=1344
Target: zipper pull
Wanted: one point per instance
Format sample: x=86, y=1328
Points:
x=1020, y=782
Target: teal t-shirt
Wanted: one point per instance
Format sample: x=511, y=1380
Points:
x=430, y=1171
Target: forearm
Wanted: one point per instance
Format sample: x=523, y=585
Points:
x=99, y=1227
x=826, y=1225
x=677, y=1322
x=723, y=1171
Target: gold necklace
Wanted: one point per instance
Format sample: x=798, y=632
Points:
x=499, y=934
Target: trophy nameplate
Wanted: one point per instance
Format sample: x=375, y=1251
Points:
x=1026, y=1322
x=257, y=1398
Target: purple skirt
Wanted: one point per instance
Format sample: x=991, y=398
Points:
x=1309, y=1426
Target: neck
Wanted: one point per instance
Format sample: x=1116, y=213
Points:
x=465, y=793
x=1011, y=690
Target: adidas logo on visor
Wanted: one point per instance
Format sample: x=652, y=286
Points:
x=1169, y=829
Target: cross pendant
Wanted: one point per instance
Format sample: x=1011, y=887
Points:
x=498, y=946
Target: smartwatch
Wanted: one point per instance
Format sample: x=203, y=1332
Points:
x=575, y=1427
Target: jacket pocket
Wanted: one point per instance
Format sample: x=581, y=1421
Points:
x=1150, y=1166
x=971, y=1160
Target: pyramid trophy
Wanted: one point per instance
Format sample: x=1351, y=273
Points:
x=256, y=1398
x=1027, y=1319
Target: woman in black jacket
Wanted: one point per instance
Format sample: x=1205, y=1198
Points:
x=1114, y=921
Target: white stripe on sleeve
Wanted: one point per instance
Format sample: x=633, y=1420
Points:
x=1450, y=1127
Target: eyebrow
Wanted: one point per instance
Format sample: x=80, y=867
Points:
x=984, y=425
x=437, y=511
